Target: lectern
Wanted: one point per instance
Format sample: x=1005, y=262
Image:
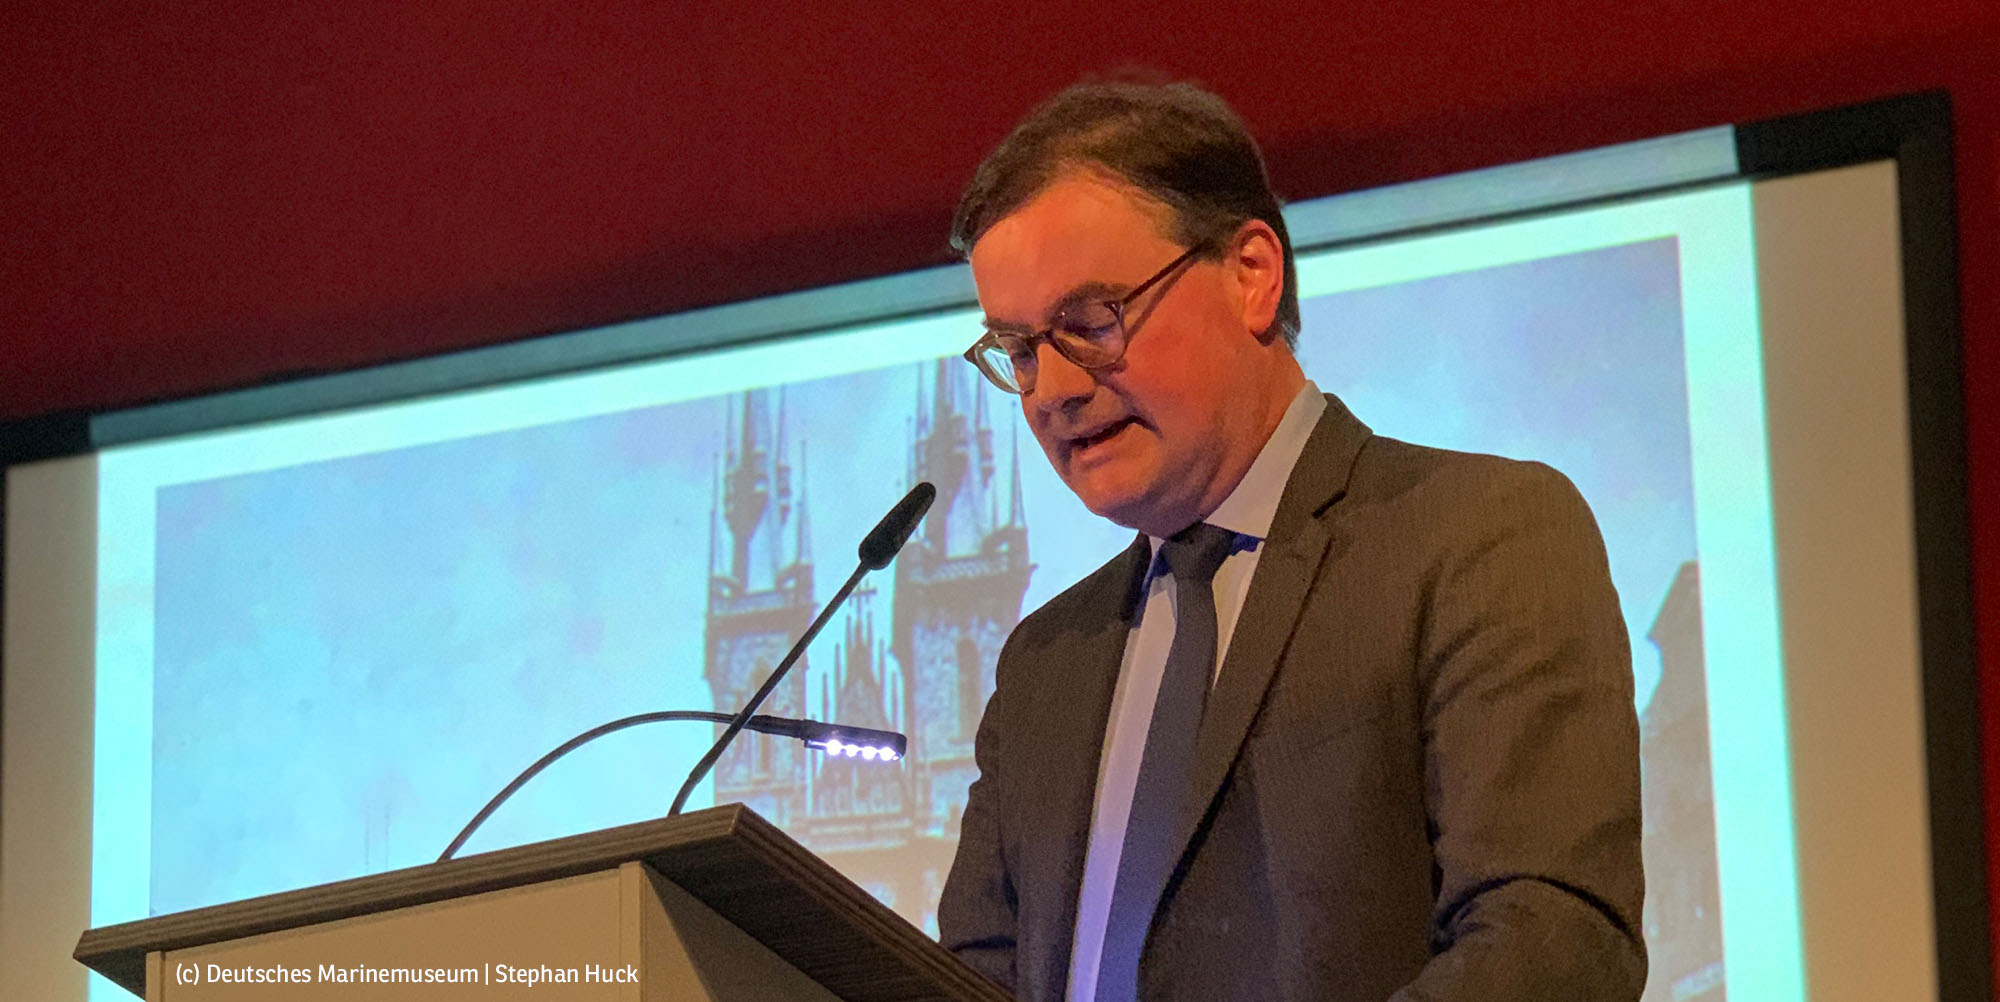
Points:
x=713, y=906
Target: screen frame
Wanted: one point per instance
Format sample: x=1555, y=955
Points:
x=1915, y=131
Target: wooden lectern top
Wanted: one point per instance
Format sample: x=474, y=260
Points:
x=730, y=858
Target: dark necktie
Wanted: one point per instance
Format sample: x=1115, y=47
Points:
x=1147, y=858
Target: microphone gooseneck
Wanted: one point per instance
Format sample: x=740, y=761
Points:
x=878, y=548
x=805, y=730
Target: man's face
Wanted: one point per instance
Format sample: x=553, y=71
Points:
x=1158, y=439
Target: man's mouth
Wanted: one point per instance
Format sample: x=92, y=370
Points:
x=1084, y=443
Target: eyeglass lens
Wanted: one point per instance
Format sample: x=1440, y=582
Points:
x=1091, y=335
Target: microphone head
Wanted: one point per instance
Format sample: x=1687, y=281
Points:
x=894, y=530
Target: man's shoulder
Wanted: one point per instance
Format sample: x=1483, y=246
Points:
x=1381, y=477
x=1402, y=478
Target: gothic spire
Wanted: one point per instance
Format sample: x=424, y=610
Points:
x=748, y=484
x=803, y=554
x=983, y=432
x=1015, y=511
x=755, y=408
x=728, y=432
x=942, y=402
x=714, y=512
x=784, y=468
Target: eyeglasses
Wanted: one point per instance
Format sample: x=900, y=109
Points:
x=1091, y=334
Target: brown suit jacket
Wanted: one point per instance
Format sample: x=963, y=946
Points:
x=1417, y=777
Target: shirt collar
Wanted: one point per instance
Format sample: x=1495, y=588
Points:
x=1253, y=504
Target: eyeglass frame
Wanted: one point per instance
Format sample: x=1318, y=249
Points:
x=1035, y=338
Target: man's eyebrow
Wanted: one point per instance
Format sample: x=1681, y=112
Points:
x=1086, y=292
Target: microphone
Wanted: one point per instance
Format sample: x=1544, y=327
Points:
x=877, y=549
x=889, y=535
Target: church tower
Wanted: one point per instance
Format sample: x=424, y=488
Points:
x=760, y=599
x=1683, y=910
x=959, y=587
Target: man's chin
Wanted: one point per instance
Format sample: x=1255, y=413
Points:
x=1127, y=492
x=1127, y=506
x=1106, y=499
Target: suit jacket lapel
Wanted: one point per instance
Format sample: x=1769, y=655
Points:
x=1081, y=662
x=1299, y=541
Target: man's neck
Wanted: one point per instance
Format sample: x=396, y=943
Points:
x=1271, y=408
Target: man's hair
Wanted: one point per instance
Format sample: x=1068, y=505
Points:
x=1176, y=142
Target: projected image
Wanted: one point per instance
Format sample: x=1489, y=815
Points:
x=351, y=655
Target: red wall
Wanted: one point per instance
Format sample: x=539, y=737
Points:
x=194, y=197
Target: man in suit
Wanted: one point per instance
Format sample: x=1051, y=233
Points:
x=1351, y=719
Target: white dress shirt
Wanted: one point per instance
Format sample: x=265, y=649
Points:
x=1247, y=511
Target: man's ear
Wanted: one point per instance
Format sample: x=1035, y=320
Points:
x=1256, y=264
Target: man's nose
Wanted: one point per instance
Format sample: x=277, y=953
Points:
x=1059, y=380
